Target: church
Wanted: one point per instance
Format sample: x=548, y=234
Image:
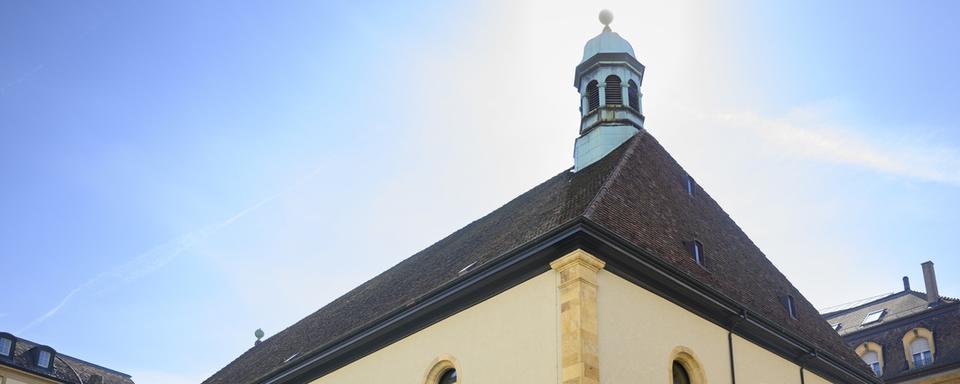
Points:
x=620, y=269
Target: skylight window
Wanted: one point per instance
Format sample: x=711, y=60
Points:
x=837, y=326
x=873, y=317
x=697, y=250
x=462, y=271
x=791, y=306
x=6, y=346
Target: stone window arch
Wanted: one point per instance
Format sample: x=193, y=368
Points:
x=918, y=347
x=444, y=370
x=872, y=354
x=613, y=94
x=685, y=368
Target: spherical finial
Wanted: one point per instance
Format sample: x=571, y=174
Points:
x=606, y=17
x=258, y=333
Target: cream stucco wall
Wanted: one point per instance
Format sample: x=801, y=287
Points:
x=640, y=331
x=514, y=338
x=509, y=338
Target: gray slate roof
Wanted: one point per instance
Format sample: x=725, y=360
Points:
x=895, y=306
x=637, y=192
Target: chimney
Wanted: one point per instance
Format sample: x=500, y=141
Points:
x=906, y=283
x=930, y=279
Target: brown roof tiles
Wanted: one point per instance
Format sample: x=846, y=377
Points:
x=637, y=192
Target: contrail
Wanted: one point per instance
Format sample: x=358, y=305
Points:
x=56, y=309
x=43, y=65
x=22, y=78
x=160, y=255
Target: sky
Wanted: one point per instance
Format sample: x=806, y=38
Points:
x=176, y=175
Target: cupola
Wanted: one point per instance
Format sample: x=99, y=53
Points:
x=608, y=79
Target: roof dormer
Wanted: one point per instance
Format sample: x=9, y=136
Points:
x=42, y=357
x=8, y=345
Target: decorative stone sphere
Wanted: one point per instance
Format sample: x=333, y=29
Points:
x=606, y=17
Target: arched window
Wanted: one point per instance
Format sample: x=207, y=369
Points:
x=684, y=367
x=443, y=371
x=680, y=375
x=920, y=350
x=593, y=95
x=448, y=377
x=873, y=361
x=633, y=95
x=872, y=354
x=613, y=93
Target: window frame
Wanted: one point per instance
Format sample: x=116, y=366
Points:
x=791, y=305
x=678, y=367
x=875, y=365
x=696, y=250
x=44, y=358
x=633, y=95
x=688, y=360
x=440, y=366
x=443, y=376
x=879, y=316
x=592, y=90
x=37, y=354
x=912, y=335
x=13, y=345
x=612, y=91
x=870, y=346
x=922, y=358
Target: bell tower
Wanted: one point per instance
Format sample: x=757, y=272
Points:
x=608, y=79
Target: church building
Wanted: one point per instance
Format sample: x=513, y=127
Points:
x=620, y=269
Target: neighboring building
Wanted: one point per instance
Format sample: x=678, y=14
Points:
x=619, y=270
x=25, y=362
x=905, y=337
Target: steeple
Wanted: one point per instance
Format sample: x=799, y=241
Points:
x=608, y=79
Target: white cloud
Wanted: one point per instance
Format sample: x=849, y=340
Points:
x=810, y=135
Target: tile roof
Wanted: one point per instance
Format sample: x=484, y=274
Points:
x=66, y=369
x=637, y=192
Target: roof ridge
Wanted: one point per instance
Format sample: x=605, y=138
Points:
x=849, y=306
x=615, y=173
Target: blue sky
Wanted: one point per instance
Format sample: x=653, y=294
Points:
x=178, y=174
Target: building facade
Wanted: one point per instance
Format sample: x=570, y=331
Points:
x=905, y=337
x=618, y=270
x=25, y=362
